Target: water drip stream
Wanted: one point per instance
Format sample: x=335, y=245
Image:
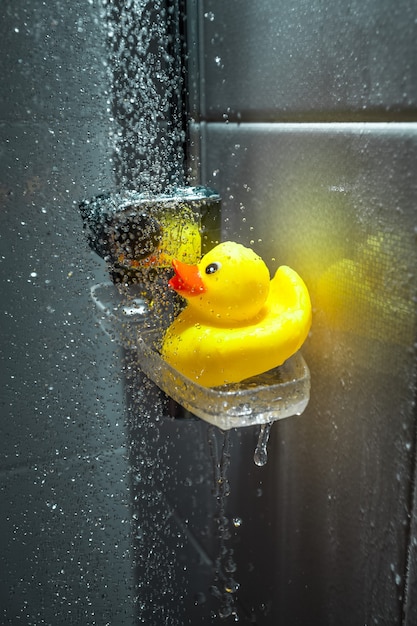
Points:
x=260, y=456
x=224, y=585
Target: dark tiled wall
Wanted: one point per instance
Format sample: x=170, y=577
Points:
x=310, y=61
x=291, y=126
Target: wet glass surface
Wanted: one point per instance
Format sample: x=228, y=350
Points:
x=113, y=510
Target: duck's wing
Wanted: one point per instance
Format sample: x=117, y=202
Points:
x=288, y=291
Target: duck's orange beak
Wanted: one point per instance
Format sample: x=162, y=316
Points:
x=187, y=279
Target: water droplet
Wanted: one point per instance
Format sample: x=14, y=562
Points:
x=261, y=454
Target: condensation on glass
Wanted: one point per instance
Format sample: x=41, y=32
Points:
x=114, y=512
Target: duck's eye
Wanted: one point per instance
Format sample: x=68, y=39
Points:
x=212, y=268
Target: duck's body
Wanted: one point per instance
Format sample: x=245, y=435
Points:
x=250, y=326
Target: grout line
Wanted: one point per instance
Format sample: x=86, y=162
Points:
x=314, y=126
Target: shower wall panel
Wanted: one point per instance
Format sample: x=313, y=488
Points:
x=290, y=127
x=308, y=61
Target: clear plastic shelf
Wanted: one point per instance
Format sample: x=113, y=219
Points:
x=276, y=394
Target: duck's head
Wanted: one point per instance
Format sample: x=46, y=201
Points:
x=230, y=284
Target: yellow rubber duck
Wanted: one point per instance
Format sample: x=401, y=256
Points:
x=237, y=323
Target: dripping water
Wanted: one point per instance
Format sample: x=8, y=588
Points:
x=260, y=456
x=224, y=585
